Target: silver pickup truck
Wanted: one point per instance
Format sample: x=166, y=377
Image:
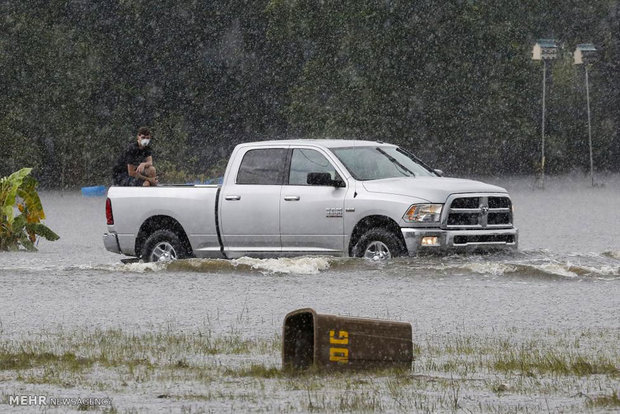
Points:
x=303, y=197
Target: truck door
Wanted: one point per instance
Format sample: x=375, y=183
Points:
x=311, y=216
x=250, y=204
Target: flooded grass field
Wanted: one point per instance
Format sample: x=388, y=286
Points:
x=533, y=331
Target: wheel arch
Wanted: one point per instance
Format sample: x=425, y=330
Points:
x=370, y=222
x=162, y=222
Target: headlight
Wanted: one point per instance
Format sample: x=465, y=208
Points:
x=423, y=213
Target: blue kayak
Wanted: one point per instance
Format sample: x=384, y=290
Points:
x=95, y=191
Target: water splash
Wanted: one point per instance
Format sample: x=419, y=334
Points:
x=298, y=265
x=614, y=254
x=529, y=264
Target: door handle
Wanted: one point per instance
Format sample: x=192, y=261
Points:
x=291, y=198
x=232, y=197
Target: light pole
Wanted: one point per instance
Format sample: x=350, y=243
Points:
x=585, y=54
x=544, y=49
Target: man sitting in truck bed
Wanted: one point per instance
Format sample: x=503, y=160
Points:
x=134, y=167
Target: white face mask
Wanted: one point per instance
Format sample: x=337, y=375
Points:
x=145, y=142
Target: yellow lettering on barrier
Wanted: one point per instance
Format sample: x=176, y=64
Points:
x=340, y=355
x=341, y=339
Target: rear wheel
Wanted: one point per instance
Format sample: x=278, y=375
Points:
x=162, y=246
x=379, y=244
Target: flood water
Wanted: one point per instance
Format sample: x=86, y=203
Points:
x=565, y=277
x=566, y=274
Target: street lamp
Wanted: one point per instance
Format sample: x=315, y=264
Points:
x=544, y=49
x=585, y=54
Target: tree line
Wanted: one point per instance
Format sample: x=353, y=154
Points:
x=451, y=81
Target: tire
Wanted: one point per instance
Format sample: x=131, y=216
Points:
x=379, y=244
x=163, y=246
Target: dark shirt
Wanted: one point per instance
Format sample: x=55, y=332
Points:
x=133, y=155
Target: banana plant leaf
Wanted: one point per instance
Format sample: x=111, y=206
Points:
x=8, y=193
x=21, y=229
x=42, y=230
x=32, y=203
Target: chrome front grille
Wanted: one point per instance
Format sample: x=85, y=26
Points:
x=479, y=212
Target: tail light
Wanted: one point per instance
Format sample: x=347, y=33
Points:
x=108, y=211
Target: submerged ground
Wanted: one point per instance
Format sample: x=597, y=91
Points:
x=533, y=331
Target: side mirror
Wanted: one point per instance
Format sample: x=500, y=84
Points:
x=438, y=172
x=323, y=178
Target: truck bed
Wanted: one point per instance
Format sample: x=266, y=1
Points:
x=192, y=206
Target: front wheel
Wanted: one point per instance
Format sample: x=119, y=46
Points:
x=379, y=244
x=162, y=246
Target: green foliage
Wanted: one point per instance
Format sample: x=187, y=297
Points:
x=24, y=360
x=528, y=362
x=170, y=173
x=451, y=81
x=612, y=400
x=19, y=191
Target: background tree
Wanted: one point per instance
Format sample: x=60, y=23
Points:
x=452, y=81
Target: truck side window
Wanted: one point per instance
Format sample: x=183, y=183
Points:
x=262, y=166
x=306, y=161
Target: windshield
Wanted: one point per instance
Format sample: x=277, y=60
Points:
x=375, y=163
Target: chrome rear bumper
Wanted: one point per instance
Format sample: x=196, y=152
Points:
x=110, y=241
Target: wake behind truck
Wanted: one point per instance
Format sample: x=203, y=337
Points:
x=312, y=197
